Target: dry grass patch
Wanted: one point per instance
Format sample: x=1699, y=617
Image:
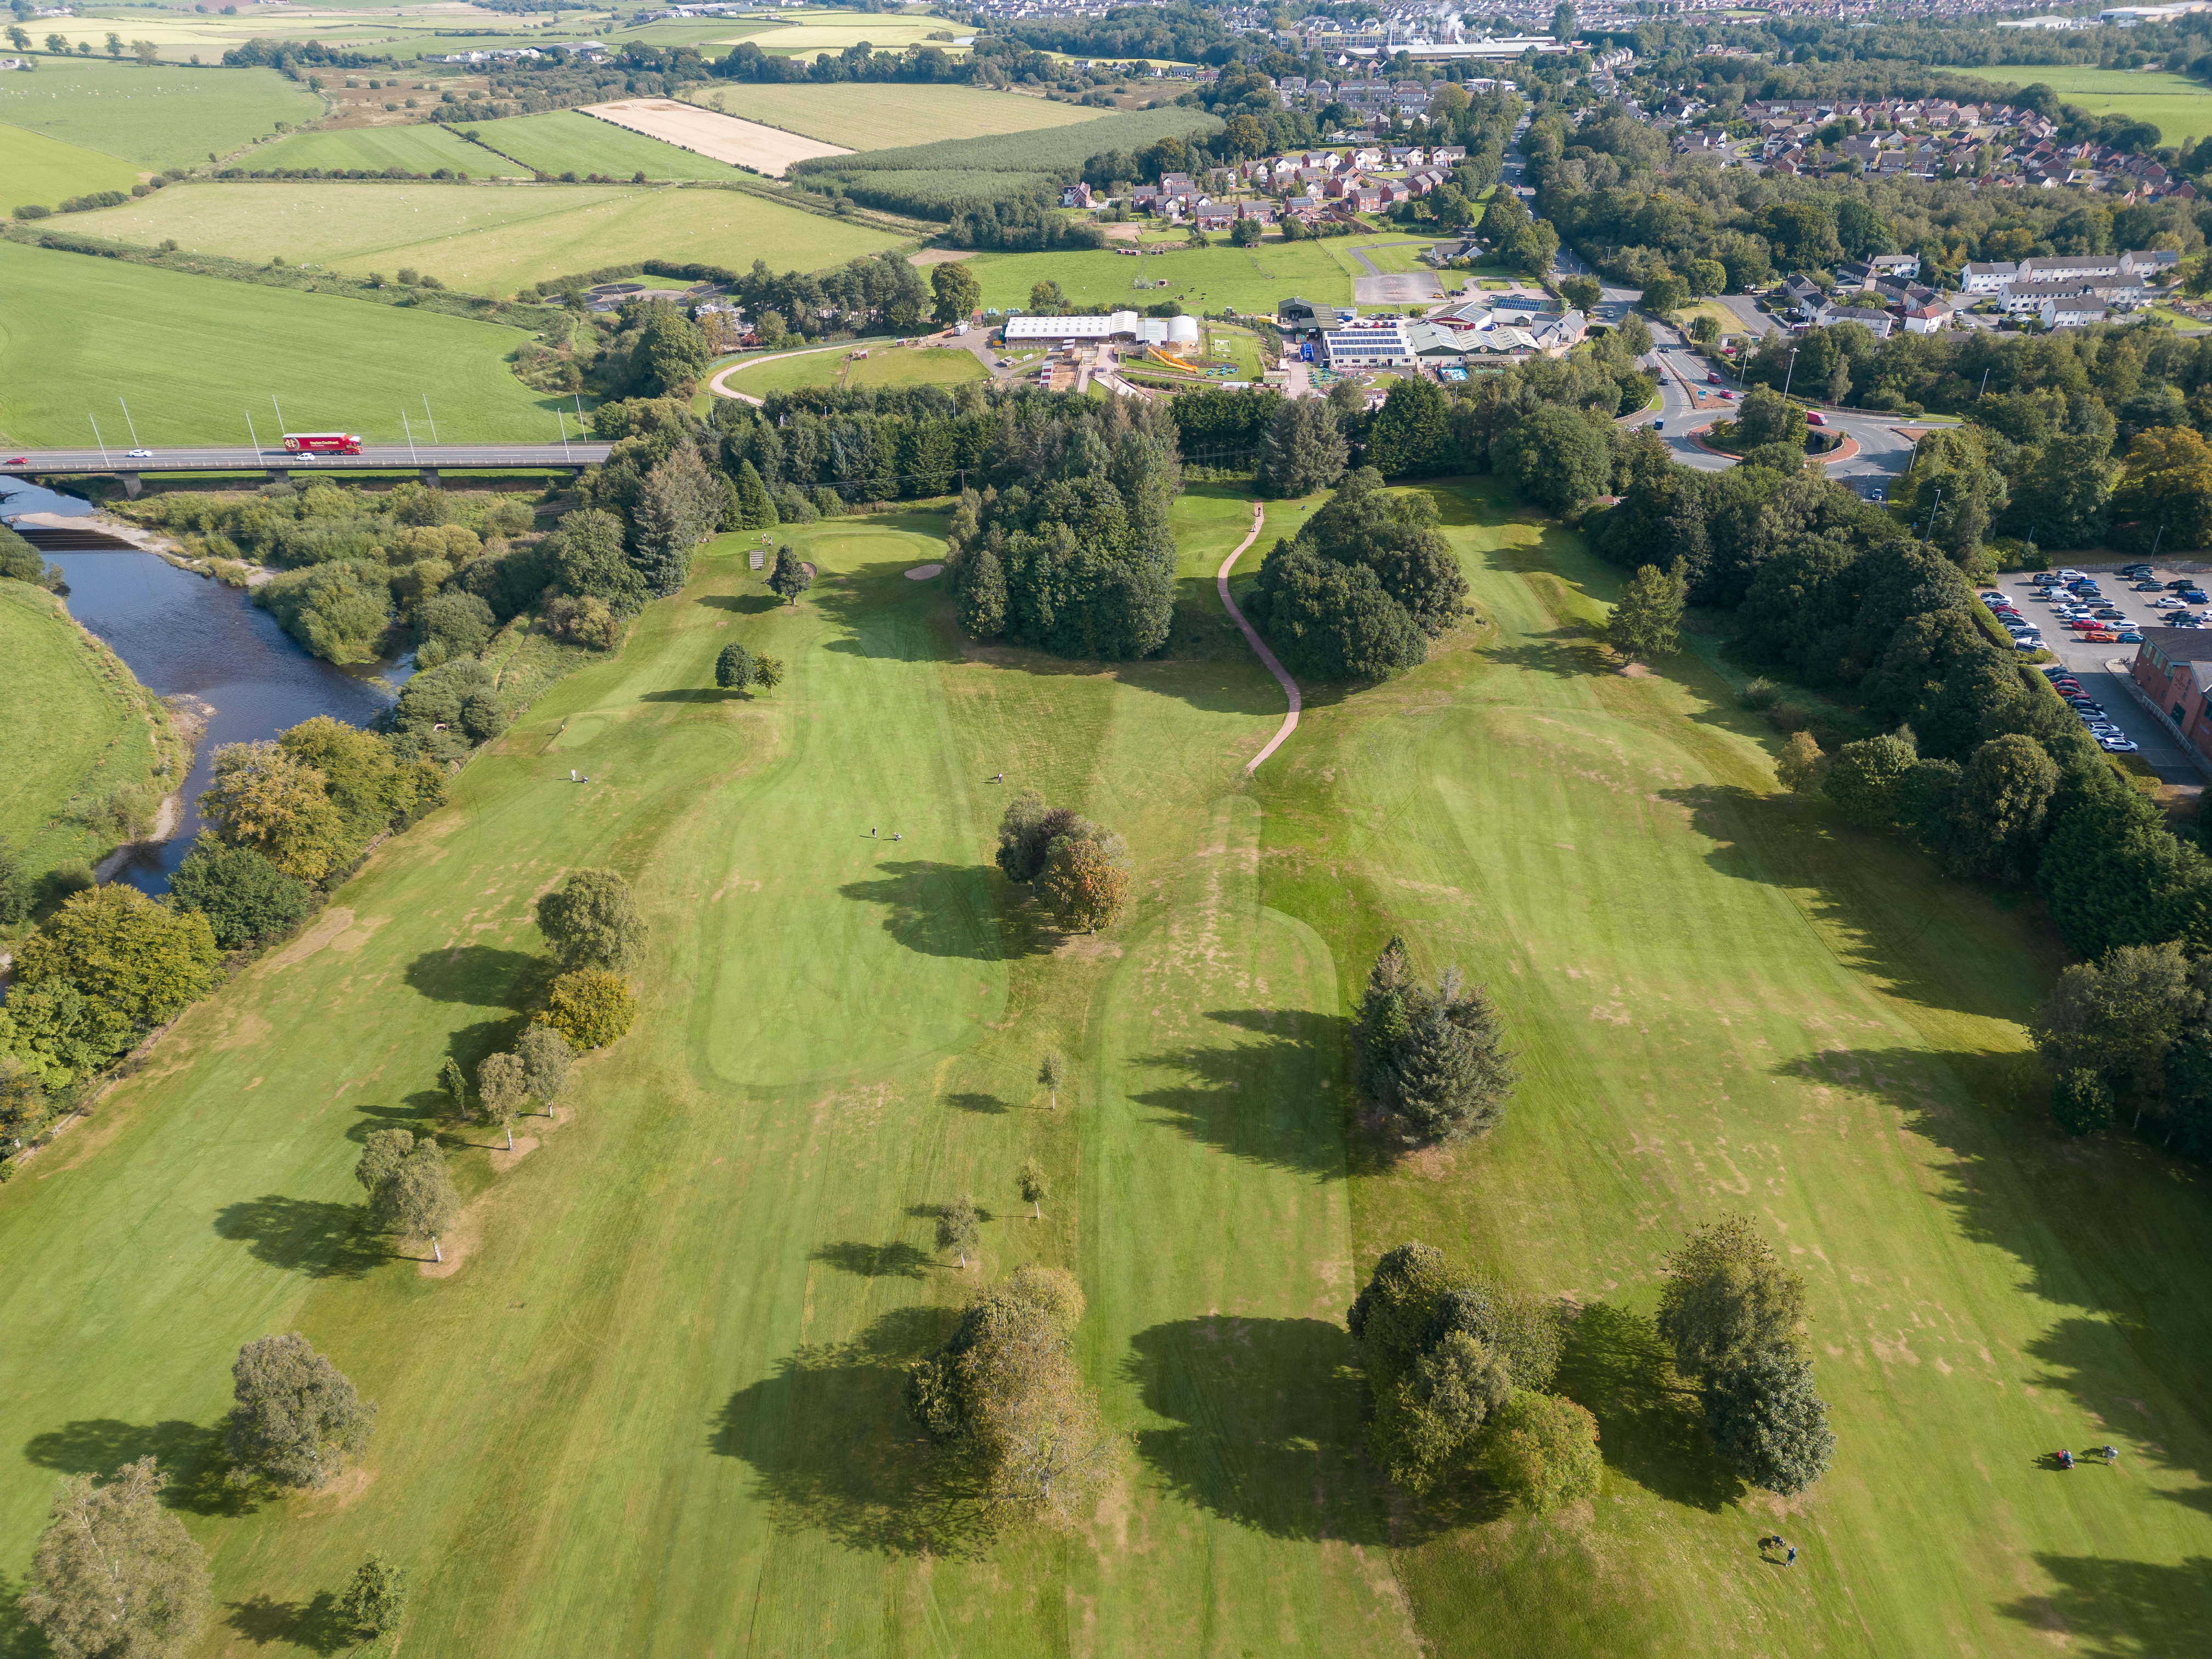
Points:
x=766, y=150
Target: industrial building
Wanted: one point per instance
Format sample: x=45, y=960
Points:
x=1112, y=325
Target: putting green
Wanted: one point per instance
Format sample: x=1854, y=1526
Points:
x=654, y=1409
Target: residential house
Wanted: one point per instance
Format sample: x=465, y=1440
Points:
x=1930, y=319
x=1987, y=279
x=1805, y=294
x=1880, y=323
x=1906, y=266
x=2075, y=311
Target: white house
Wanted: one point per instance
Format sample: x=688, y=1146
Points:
x=1987, y=279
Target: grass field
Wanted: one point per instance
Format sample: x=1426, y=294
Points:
x=2181, y=107
x=1252, y=280
x=655, y=1409
x=884, y=366
x=416, y=148
x=199, y=352
x=153, y=118
x=79, y=727
x=47, y=172
x=886, y=116
x=487, y=239
x=561, y=140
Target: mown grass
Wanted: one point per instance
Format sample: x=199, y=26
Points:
x=78, y=728
x=1053, y=146
x=155, y=117
x=656, y=1409
x=1253, y=281
x=562, y=141
x=2180, y=108
x=48, y=171
x=877, y=116
x=417, y=148
x=885, y=365
x=485, y=240
x=198, y=353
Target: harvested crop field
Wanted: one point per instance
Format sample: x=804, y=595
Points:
x=761, y=149
x=876, y=116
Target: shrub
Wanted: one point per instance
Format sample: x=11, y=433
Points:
x=1542, y=1449
x=2081, y=1101
x=590, y=1007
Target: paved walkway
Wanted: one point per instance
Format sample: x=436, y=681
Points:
x=1252, y=638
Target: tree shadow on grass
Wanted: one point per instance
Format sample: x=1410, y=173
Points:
x=937, y=909
x=191, y=1459
x=479, y=975
x=833, y=1450
x=314, y=1624
x=1269, y=1101
x=307, y=1236
x=1651, y=1426
x=1565, y=653
x=696, y=694
x=987, y=1105
x=2108, y=1609
x=1268, y=1425
x=895, y=1260
x=745, y=604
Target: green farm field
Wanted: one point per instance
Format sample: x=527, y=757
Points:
x=886, y=365
x=78, y=728
x=483, y=238
x=416, y=148
x=2181, y=107
x=47, y=172
x=155, y=117
x=654, y=1408
x=201, y=352
x=563, y=140
x=1251, y=280
x=888, y=117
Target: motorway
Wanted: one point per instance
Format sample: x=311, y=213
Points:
x=242, y=458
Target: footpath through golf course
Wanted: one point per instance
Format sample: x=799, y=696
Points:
x=655, y=1407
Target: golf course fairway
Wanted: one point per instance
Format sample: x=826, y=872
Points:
x=652, y=1404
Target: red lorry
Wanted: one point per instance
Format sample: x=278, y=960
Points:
x=323, y=443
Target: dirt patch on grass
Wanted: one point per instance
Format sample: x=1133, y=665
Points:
x=946, y=256
x=767, y=150
x=456, y=1247
x=1087, y=947
x=503, y=1160
x=333, y=928
x=342, y=1493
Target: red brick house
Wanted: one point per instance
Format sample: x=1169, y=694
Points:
x=2173, y=667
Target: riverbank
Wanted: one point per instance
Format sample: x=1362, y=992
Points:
x=92, y=754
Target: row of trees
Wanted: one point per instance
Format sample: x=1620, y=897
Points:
x=2131, y=1033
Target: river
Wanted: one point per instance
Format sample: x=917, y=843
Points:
x=182, y=633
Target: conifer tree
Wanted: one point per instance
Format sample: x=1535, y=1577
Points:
x=756, y=509
x=455, y=1084
x=1768, y=1423
x=983, y=595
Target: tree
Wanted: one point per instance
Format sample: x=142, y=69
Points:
x=135, y=964
x=2081, y=1101
x=1562, y=22
x=955, y=294
x=956, y=1228
x=500, y=1091
x=1027, y=829
x=1052, y=1072
x=2168, y=481
x=1704, y=328
x=2121, y=1015
x=242, y=895
x=545, y=1056
x=1411, y=432
x=2004, y=800
x=755, y=508
x=768, y=673
x=422, y=1201
x=1801, y=766
x=116, y=1575
x=455, y=1085
x=1031, y=1177
x=587, y=555
x=297, y=1420
x=1765, y=417
x=983, y=595
x=1727, y=1296
x=1334, y=621
x=1584, y=293
x=1768, y=1422
x=1542, y=1449
x=1664, y=293
x=1554, y=458
x=678, y=507
x=1865, y=777
x=372, y=1604
x=1084, y=884
x=1434, y=1057
x=1647, y=621
x=1046, y=299
x=734, y=668
x=382, y=1155
x=590, y=1007
x=261, y=796
x=791, y=577
x=16, y=892
x=1003, y=1397
x=1302, y=452
x=592, y=922
x=1246, y=232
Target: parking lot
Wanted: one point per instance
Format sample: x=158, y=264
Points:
x=2102, y=667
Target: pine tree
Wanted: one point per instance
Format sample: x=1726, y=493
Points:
x=1435, y=1068
x=1768, y=1422
x=677, y=508
x=1648, y=620
x=790, y=577
x=983, y=595
x=1383, y=1025
x=455, y=1085
x=755, y=511
x=1302, y=452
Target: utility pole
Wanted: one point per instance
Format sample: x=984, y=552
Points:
x=1985, y=384
x=1792, y=374
x=101, y=441
x=565, y=455
x=128, y=421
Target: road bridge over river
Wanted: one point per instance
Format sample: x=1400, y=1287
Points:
x=425, y=460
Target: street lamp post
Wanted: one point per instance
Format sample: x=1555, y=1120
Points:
x=251, y=434
x=97, y=439
x=129, y=422
x=410, y=438
x=279, y=408
x=1792, y=374
x=564, y=435
x=429, y=417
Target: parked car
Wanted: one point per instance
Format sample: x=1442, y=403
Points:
x=2183, y=585
x=2169, y=602
x=2101, y=636
x=2149, y=587
x=2117, y=745
x=1814, y=417
x=2108, y=614
x=2130, y=636
x=1879, y=495
x=2196, y=596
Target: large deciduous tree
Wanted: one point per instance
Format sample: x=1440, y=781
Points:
x=545, y=1056
x=109, y=964
x=954, y=293
x=375, y=1598
x=243, y=895
x=500, y=1092
x=297, y=1420
x=592, y=922
x=1555, y=457
x=117, y=1576
x=261, y=796
x=1727, y=1296
x=421, y=1201
x=958, y=1229
x=590, y=1007
x=1542, y=1449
